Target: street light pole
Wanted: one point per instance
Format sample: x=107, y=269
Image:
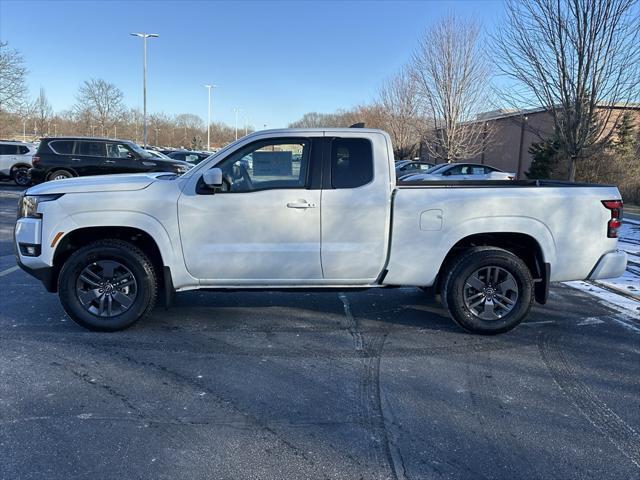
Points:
x=144, y=37
x=236, y=111
x=209, y=87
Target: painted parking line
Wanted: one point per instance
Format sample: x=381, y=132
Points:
x=9, y=270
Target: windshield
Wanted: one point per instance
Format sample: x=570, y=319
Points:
x=436, y=168
x=139, y=150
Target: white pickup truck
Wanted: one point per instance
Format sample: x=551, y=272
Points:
x=312, y=208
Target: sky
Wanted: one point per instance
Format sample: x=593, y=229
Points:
x=274, y=60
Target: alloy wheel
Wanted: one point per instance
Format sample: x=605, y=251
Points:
x=106, y=288
x=490, y=293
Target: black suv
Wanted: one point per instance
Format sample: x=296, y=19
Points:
x=66, y=157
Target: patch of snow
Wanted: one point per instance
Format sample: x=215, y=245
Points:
x=618, y=302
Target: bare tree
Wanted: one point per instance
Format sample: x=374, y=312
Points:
x=13, y=87
x=399, y=103
x=101, y=101
x=42, y=113
x=453, y=77
x=576, y=58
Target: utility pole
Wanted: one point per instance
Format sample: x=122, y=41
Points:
x=209, y=87
x=236, y=111
x=144, y=37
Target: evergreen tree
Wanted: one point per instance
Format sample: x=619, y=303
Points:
x=545, y=159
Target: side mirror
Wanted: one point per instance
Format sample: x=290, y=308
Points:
x=212, y=177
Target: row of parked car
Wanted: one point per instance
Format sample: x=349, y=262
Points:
x=65, y=157
x=416, y=170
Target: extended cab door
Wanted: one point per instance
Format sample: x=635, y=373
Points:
x=356, y=206
x=263, y=228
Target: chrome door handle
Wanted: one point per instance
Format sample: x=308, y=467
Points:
x=109, y=161
x=76, y=159
x=302, y=204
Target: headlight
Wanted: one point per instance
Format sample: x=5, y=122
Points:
x=28, y=204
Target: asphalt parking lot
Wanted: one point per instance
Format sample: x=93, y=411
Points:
x=362, y=385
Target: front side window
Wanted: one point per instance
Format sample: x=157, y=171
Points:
x=268, y=164
x=91, y=149
x=118, y=150
x=351, y=162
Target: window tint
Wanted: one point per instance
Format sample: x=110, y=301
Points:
x=22, y=150
x=269, y=164
x=6, y=149
x=351, y=162
x=63, y=147
x=93, y=149
x=475, y=170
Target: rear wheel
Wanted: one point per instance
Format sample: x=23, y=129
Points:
x=108, y=285
x=60, y=175
x=21, y=176
x=488, y=291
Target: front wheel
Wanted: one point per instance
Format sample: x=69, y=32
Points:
x=107, y=285
x=488, y=291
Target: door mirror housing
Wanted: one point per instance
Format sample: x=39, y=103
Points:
x=212, y=178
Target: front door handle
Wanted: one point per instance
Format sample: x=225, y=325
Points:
x=109, y=161
x=76, y=159
x=301, y=204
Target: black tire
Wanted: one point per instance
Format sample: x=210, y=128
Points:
x=60, y=175
x=456, y=286
x=20, y=176
x=123, y=253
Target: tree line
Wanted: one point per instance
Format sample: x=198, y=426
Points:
x=99, y=111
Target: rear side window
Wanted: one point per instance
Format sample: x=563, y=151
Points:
x=63, y=147
x=351, y=162
x=93, y=149
x=22, y=150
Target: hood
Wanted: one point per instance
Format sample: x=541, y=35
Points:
x=98, y=183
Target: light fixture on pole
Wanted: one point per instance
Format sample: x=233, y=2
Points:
x=144, y=37
x=209, y=87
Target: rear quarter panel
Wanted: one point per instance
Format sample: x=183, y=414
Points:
x=569, y=224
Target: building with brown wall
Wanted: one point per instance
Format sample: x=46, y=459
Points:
x=510, y=134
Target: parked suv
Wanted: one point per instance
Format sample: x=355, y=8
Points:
x=15, y=161
x=65, y=157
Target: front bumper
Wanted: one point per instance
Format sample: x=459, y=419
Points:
x=610, y=265
x=28, y=232
x=45, y=275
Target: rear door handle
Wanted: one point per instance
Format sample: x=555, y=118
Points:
x=76, y=159
x=109, y=161
x=301, y=204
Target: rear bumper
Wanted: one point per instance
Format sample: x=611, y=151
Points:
x=610, y=265
x=37, y=175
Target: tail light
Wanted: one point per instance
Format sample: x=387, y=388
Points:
x=615, y=206
x=35, y=161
